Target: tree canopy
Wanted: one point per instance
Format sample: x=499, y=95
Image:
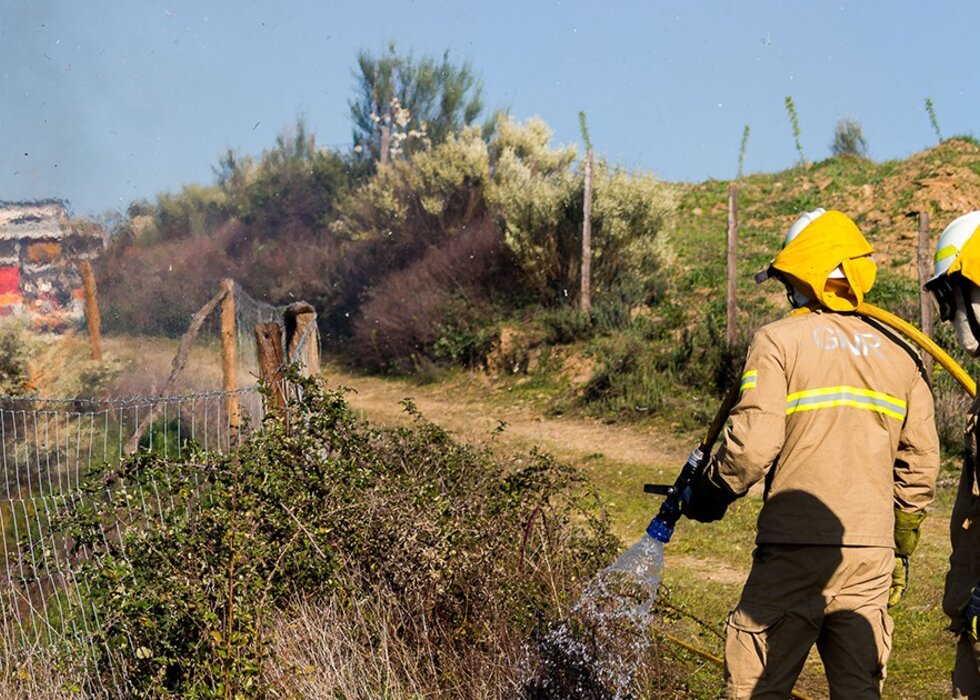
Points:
x=402, y=104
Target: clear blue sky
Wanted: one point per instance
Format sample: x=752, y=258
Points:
x=105, y=102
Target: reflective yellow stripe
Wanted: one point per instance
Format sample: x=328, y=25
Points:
x=835, y=396
x=749, y=379
x=947, y=252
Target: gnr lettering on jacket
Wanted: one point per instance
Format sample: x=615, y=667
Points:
x=860, y=344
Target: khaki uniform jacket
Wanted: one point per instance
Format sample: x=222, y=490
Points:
x=964, y=528
x=835, y=410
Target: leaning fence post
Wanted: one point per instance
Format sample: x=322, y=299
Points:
x=179, y=361
x=731, y=308
x=268, y=346
x=302, y=339
x=924, y=260
x=229, y=363
x=92, y=318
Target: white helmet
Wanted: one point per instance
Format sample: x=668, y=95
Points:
x=951, y=242
x=801, y=223
x=795, y=296
x=795, y=230
x=955, y=284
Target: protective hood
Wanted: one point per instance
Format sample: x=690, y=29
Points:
x=967, y=262
x=830, y=241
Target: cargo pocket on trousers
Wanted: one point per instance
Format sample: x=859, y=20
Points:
x=750, y=627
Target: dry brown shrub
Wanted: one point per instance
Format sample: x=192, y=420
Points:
x=437, y=307
x=952, y=405
x=36, y=676
x=384, y=647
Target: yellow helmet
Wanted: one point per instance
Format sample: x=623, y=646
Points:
x=827, y=246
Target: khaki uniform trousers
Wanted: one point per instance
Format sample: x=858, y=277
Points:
x=966, y=669
x=800, y=595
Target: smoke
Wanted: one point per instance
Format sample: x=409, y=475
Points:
x=43, y=144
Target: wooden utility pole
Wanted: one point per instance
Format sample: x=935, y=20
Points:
x=268, y=345
x=229, y=360
x=92, y=318
x=924, y=259
x=731, y=308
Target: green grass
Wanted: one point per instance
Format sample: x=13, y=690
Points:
x=701, y=559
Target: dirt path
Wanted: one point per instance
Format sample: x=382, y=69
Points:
x=467, y=415
x=617, y=458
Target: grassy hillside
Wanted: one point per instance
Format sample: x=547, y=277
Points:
x=668, y=362
x=884, y=199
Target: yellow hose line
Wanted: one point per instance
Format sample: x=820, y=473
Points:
x=917, y=337
x=923, y=341
x=711, y=657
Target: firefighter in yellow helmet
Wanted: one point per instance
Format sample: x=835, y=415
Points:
x=836, y=419
x=956, y=288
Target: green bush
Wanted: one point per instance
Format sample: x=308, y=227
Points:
x=649, y=366
x=326, y=506
x=627, y=381
x=565, y=324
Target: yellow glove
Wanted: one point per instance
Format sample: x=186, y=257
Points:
x=906, y=539
x=900, y=580
x=971, y=611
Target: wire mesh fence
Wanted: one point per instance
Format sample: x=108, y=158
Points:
x=48, y=448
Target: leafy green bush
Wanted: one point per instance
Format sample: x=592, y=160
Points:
x=626, y=381
x=651, y=364
x=539, y=200
x=324, y=506
x=566, y=324
x=464, y=341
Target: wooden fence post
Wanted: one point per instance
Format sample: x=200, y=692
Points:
x=586, y=291
x=731, y=308
x=229, y=362
x=302, y=339
x=924, y=260
x=268, y=345
x=92, y=318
